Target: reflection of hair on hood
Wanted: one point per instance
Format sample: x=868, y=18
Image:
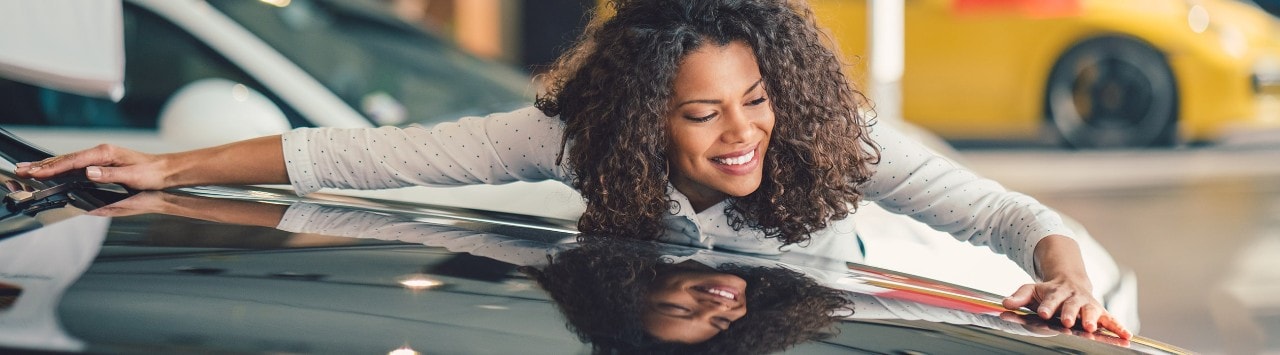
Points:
x=600, y=287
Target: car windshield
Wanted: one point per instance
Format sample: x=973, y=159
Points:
x=392, y=72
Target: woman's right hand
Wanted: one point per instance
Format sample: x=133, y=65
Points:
x=104, y=163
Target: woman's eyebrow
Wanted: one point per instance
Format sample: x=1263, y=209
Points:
x=716, y=102
x=753, y=86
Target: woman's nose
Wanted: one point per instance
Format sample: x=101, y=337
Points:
x=714, y=302
x=718, y=304
x=738, y=127
x=722, y=308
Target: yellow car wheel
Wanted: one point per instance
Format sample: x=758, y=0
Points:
x=1112, y=92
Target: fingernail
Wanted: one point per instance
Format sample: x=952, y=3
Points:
x=34, y=168
x=23, y=164
x=93, y=172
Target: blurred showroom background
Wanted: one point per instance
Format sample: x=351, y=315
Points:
x=1155, y=123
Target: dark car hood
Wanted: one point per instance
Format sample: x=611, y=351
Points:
x=155, y=282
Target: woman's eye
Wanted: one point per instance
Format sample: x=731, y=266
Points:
x=701, y=119
x=675, y=308
x=757, y=101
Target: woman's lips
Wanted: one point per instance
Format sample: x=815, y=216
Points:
x=738, y=163
x=736, y=158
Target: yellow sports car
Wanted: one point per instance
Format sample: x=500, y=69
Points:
x=1086, y=73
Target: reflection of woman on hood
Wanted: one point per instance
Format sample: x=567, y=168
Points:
x=622, y=296
x=610, y=291
x=616, y=294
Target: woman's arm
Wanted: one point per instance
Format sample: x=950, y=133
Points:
x=254, y=161
x=513, y=146
x=914, y=181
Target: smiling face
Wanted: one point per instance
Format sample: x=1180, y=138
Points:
x=692, y=306
x=719, y=124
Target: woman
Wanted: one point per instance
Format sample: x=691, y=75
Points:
x=720, y=124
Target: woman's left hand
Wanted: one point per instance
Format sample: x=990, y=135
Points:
x=1066, y=290
x=1070, y=300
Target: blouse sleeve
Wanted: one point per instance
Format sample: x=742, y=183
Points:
x=910, y=179
x=514, y=146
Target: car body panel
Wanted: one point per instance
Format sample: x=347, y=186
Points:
x=156, y=282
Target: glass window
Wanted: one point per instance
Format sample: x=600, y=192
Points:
x=374, y=61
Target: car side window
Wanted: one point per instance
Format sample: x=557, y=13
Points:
x=160, y=58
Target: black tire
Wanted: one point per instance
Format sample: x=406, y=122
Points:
x=1112, y=92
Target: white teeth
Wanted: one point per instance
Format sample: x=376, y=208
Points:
x=743, y=159
x=722, y=293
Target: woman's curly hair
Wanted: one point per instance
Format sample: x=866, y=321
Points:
x=612, y=90
x=601, y=287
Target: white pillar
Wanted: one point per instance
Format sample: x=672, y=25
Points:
x=886, y=34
